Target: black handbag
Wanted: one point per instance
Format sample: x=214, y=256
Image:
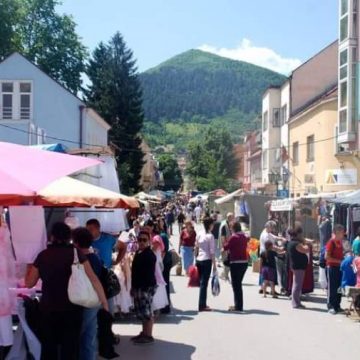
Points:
x=110, y=282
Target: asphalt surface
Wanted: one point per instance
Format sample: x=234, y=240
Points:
x=269, y=328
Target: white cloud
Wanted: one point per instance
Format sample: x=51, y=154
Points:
x=261, y=56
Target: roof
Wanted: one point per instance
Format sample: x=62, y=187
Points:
x=328, y=95
x=7, y=58
x=315, y=55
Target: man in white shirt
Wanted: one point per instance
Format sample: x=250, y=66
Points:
x=198, y=212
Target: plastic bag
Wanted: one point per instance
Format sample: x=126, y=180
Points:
x=215, y=285
x=194, y=278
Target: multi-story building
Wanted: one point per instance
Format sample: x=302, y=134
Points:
x=252, y=180
x=275, y=135
x=348, y=62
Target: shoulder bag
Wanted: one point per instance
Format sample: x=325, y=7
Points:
x=80, y=289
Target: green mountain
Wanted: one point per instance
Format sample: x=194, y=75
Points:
x=196, y=88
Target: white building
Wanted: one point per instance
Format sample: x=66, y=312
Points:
x=275, y=134
x=36, y=109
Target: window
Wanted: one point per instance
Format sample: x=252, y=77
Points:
x=7, y=89
x=25, y=101
x=15, y=100
x=283, y=115
x=276, y=117
x=343, y=94
x=265, y=120
x=310, y=148
x=344, y=7
x=343, y=121
x=295, y=153
x=344, y=32
x=344, y=57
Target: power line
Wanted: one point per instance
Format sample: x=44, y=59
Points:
x=149, y=152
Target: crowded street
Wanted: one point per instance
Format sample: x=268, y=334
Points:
x=179, y=180
x=269, y=328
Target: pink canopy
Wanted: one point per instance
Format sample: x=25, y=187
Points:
x=25, y=170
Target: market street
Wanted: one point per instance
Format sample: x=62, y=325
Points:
x=269, y=329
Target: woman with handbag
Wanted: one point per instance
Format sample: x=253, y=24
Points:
x=83, y=240
x=60, y=319
x=236, y=247
x=143, y=287
x=205, y=261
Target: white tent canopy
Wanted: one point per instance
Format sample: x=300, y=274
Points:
x=229, y=197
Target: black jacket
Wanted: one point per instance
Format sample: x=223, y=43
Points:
x=143, y=270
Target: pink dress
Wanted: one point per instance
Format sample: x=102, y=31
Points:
x=357, y=267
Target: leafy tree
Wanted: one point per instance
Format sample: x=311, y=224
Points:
x=10, y=15
x=115, y=93
x=171, y=172
x=212, y=163
x=34, y=28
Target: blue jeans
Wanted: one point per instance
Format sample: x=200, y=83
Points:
x=204, y=268
x=187, y=254
x=88, y=335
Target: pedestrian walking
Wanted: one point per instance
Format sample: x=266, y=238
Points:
x=237, y=249
x=334, y=256
x=298, y=253
x=187, y=245
x=205, y=261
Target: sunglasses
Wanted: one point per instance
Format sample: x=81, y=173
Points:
x=144, y=240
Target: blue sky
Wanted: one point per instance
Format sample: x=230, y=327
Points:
x=278, y=34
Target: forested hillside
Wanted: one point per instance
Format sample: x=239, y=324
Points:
x=193, y=89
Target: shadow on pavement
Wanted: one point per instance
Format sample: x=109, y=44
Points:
x=314, y=299
x=248, y=312
x=176, y=317
x=316, y=309
x=160, y=350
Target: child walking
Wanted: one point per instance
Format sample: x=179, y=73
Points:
x=268, y=268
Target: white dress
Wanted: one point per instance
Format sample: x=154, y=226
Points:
x=160, y=299
x=7, y=280
x=124, y=300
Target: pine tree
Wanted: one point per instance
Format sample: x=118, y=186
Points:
x=115, y=92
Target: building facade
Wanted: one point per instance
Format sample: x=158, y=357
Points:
x=35, y=109
x=252, y=179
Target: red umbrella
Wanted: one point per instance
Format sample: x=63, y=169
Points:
x=25, y=170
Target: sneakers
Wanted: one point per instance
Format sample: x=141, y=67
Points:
x=332, y=312
x=144, y=340
x=205, y=309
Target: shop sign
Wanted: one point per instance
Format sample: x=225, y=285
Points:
x=281, y=205
x=341, y=177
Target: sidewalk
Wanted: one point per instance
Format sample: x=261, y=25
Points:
x=269, y=329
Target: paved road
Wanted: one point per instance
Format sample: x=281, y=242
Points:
x=269, y=329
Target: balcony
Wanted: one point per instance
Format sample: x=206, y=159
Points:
x=346, y=137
